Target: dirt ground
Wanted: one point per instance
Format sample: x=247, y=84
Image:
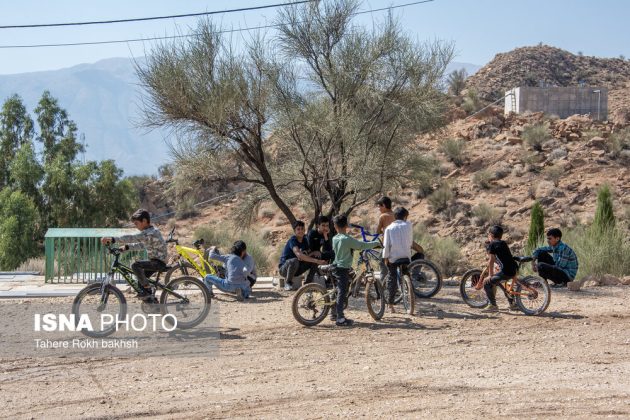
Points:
x=449, y=361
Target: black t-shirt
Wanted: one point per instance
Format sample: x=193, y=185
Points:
x=317, y=242
x=287, y=252
x=504, y=256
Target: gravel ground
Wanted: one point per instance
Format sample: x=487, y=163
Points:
x=448, y=361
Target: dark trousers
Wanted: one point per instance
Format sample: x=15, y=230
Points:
x=490, y=287
x=342, y=276
x=252, y=281
x=294, y=267
x=547, y=269
x=392, y=278
x=143, y=269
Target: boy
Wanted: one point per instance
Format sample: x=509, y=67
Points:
x=295, y=260
x=148, y=238
x=499, y=253
x=560, y=268
x=343, y=245
x=236, y=271
x=320, y=241
x=397, y=243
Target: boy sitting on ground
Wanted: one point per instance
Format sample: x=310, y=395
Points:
x=499, y=253
x=295, y=261
x=561, y=267
x=150, y=239
x=236, y=271
x=343, y=245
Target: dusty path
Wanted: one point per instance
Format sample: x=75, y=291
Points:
x=449, y=362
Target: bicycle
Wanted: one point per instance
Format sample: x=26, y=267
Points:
x=185, y=298
x=316, y=300
x=404, y=287
x=193, y=261
x=531, y=293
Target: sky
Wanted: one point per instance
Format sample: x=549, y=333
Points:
x=478, y=28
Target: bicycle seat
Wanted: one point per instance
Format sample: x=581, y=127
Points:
x=165, y=269
x=401, y=262
x=523, y=259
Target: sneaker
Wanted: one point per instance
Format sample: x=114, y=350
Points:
x=343, y=322
x=490, y=308
x=558, y=285
x=288, y=287
x=239, y=295
x=333, y=317
x=513, y=307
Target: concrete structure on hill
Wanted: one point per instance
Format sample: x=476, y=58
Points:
x=560, y=101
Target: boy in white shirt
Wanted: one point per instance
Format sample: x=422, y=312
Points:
x=397, y=244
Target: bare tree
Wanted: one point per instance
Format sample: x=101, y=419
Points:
x=325, y=112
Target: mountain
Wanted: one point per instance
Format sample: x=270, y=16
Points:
x=550, y=66
x=103, y=99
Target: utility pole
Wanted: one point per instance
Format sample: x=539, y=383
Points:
x=599, y=100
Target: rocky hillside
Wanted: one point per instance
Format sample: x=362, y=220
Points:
x=498, y=177
x=530, y=66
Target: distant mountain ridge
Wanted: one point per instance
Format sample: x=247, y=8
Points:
x=104, y=98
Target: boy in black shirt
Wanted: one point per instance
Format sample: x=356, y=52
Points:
x=320, y=240
x=500, y=254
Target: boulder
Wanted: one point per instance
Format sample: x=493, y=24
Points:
x=574, y=286
x=597, y=142
x=514, y=140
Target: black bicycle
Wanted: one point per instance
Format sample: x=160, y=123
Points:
x=185, y=298
x=404, y=287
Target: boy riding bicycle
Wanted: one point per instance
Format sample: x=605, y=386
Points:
x=150, y=239
x=343, y=245
x=499, y=253
x=397, y=244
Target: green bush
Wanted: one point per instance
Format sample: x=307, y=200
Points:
x=18, y=229
x=618, y=142
x=425, y=170
x=482, y=179
x=454, y=150
x=599, y=251
x=486, y=215
x=472, y=101
x=441, y=198
x=535, y=135
x=604, y=214
x=445, y=252
x=536, y=228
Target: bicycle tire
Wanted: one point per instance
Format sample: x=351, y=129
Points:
x=374, y=293
x=205, y=301
x=417, y=287
x=407, y=295
x=475, y=298
x=181, y=269
x=95, y=289
x=540, y=285
x=320, y=315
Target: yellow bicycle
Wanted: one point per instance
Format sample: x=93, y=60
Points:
x=192, y=261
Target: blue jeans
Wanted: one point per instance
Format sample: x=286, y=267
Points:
x=225, y=285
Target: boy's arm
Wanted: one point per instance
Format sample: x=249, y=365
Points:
x=131, y=242
x=360, y=245
x=216, y=256
x=538, y=251
x=491, y=262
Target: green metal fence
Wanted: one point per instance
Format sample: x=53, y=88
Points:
x=76, y=255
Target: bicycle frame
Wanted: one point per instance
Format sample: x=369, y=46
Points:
x=190, y=254
x=508, y=284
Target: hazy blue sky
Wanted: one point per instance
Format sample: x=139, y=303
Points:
x=479, y=29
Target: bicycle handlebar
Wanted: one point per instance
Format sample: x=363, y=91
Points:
x=365, y=233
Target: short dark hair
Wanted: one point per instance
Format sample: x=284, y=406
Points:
x=141, y=214
x=400, y=213
x=496, y=231
x=341, y=220
x=555, y=232
x=386, y=201
x=323, y=219
x=298, y=223
x=238, y=248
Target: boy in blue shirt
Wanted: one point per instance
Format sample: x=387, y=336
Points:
x=236, y=271
x=561, y=266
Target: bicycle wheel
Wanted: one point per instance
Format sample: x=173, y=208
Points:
x=181, y=269
x=408, y=297
x=311, y=304
x=425, y=277
x=535, y=301
x=375, y=299
x=470, y=289
x=187, y=299
x=97, y=302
